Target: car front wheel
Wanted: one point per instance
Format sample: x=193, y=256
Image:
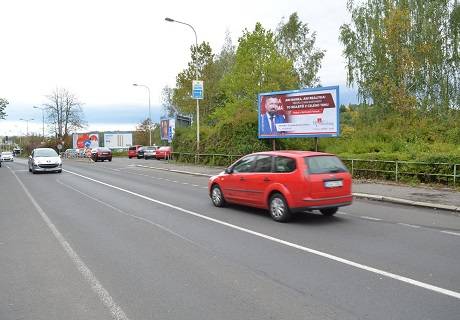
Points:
x=329, y=211
x=279, y=209
x=217, y=196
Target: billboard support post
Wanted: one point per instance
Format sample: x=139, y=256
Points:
x=316, y=144
x=274, y=144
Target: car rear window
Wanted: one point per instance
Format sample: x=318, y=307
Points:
x=132, y=148
x=324, y=164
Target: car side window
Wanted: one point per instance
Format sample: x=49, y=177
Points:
x=244, y=165
x=284, y=164
x=263, y=163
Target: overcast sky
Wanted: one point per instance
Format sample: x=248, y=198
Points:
x=97, y=48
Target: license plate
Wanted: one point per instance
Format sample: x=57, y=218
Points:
x=333, y=184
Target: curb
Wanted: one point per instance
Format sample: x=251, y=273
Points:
x=356, y=195
x=406, y=202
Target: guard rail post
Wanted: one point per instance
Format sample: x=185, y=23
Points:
x=352, y=168
x=455, y=174
x=396, y=171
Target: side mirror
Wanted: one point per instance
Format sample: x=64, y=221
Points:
x=228, y=170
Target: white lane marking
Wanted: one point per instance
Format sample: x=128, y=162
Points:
x=128, y=214
x=286, y=243
x=96, y=286
x=451, y=233
x=341, y=212
x=370, y=218
x=409, y=225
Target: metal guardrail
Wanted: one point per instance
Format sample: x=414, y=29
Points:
x=399, y=171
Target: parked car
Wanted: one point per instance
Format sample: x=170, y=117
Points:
x=133, y=151
x=149, y=152
x=44, y=160
x=101, y=153
x=284, y=182
x=140, y=153
x=6, y=156
x=163, y=153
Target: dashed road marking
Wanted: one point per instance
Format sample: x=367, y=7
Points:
x=451, y=233
x=371, y=218
x=409, y=225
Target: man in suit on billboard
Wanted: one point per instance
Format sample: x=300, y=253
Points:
x=270, y=118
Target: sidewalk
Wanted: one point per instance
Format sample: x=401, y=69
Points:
x=443, y=199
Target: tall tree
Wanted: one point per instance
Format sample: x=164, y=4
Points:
x=65, y=113
x=403, y=54
x=297, y=43
x=167, y=101
x=201, y=60
x=259, y=67
x=3, y=104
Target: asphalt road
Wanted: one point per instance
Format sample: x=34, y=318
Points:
x=116, y=241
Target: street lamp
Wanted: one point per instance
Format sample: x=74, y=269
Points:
x=43, y=120
x=27, y=121
x=196, y=77
x=150, y=115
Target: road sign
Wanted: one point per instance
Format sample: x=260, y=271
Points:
x=87, y=143
x=197, y=89
x=59, y=146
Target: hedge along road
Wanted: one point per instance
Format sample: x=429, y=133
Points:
x=161, y=244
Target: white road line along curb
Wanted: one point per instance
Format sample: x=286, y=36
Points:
x=283, y=242
x=96, y=286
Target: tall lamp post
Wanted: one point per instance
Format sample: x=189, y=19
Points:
x=196, y=78
x=150, y=115
x=43, y=120
x=27, y=121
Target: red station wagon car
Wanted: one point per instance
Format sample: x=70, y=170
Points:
x=132, y=151
x=284, y=182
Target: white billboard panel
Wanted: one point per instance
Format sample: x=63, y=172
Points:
x=118, y=140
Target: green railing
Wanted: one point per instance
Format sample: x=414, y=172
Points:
x=400, y=171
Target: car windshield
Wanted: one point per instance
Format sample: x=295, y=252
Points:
x=324, y=164
x=45, y=153
x=6, y=153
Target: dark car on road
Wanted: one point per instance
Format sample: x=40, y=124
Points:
x=284, y=182
x=101, y=153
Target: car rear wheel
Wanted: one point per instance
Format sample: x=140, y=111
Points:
x=217, y=196
x=329, y=211
x=279, y=209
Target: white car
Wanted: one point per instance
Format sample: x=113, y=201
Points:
x=44, y=160
x=6, y=156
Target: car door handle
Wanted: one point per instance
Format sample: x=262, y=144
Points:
x=267, y=179
x=242, y=179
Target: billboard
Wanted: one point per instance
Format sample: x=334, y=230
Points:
x=167, y=128
x=118, y=140
x=299, y=113
x=85, y=140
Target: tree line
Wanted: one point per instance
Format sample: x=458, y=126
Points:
x=401, y=55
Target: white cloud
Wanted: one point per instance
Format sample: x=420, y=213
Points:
x=97, y=49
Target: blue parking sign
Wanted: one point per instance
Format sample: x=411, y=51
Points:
x=197, y=89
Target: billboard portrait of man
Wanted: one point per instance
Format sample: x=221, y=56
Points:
x=271, y=117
